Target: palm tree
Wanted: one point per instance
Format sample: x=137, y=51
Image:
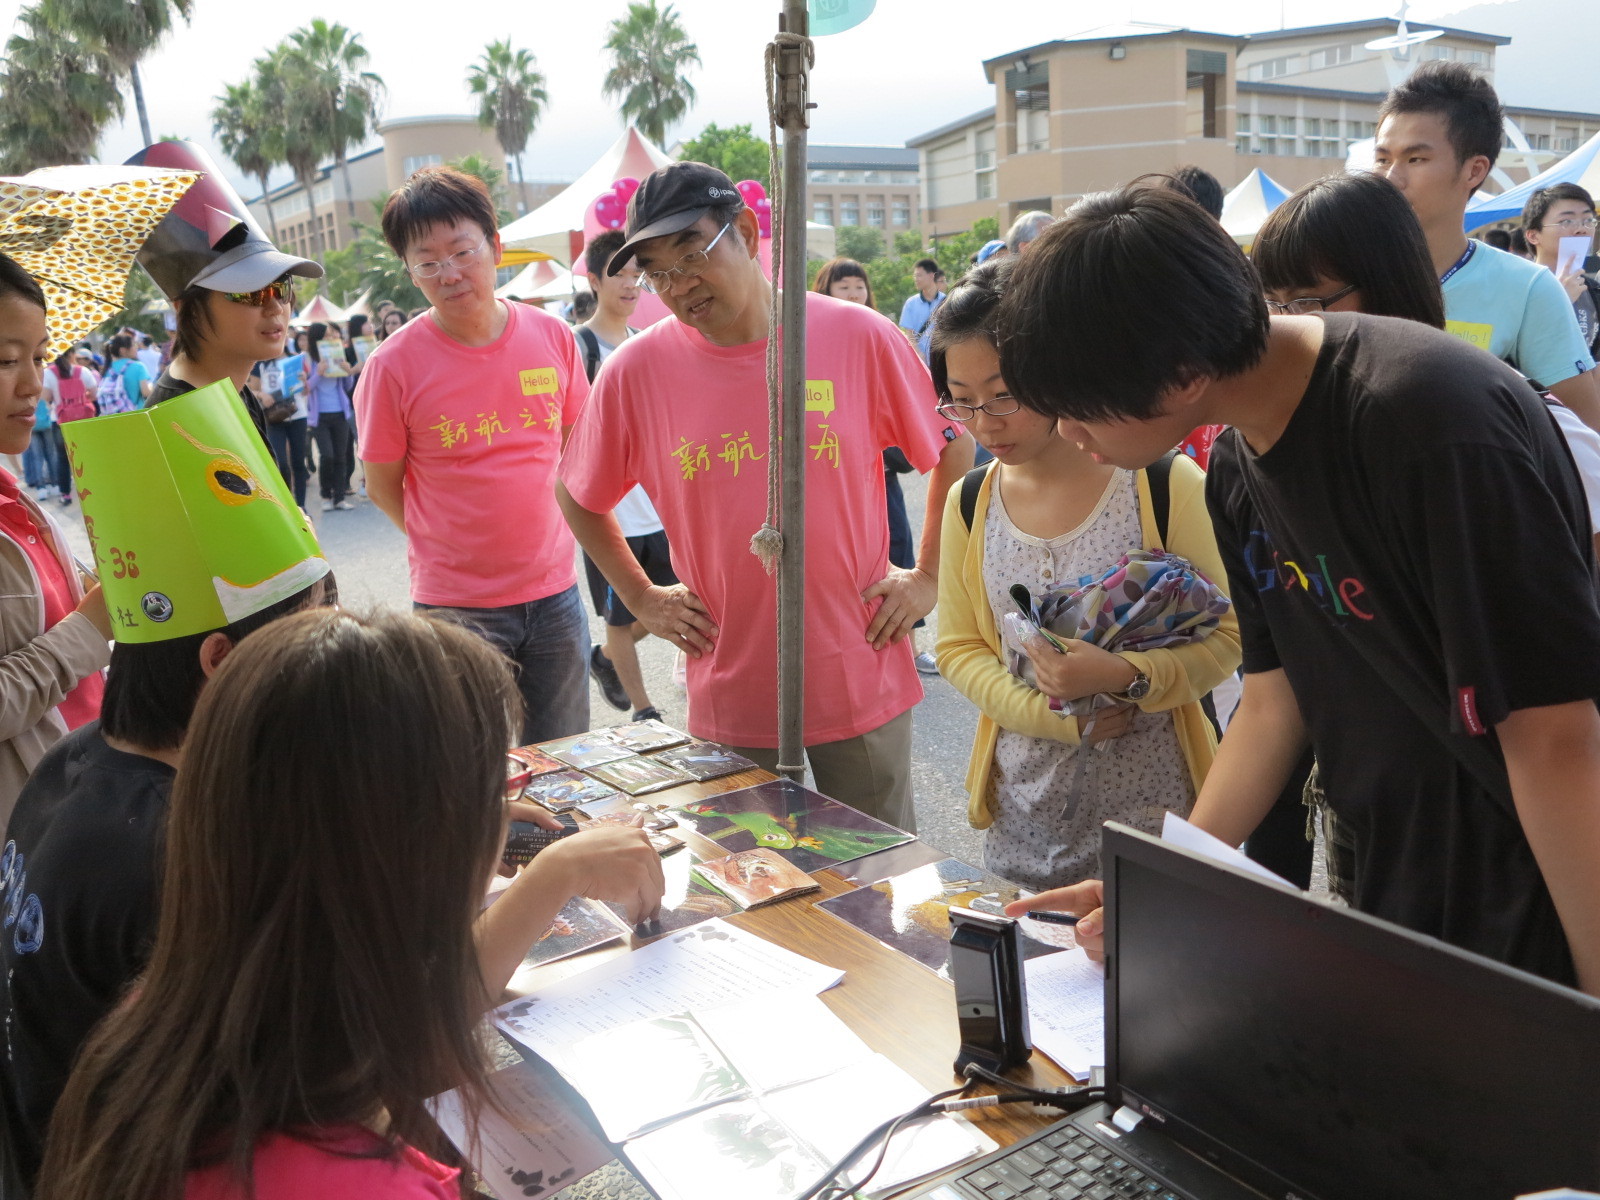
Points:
x=251, y=137
x=651, y=56
x=56, y=96
x=327, y=61
x=126, y=30
x=300, y=115
x=511, y=96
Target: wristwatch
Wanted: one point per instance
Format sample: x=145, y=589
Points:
x=1139, y=688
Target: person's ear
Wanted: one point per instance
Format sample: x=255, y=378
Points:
x=1184, y=395
x=1532, y=234
x=1475, y=170
x=749, y=228
x=213, y=650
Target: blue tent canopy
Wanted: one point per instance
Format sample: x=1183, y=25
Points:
x=1581, y=167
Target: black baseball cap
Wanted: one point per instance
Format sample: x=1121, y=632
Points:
x=669, y=201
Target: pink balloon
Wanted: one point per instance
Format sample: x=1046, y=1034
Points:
x=751, y=190
x=763, y=209
x=625, y=188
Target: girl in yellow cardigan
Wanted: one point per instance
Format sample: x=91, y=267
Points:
x=1047, y=513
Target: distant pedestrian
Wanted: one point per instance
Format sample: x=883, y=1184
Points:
x=916, y=314
x=1025, y=229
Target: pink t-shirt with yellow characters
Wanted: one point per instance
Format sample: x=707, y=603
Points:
x=479, y=428
x=688, y=421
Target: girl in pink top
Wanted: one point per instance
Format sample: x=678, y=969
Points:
x=305, y=996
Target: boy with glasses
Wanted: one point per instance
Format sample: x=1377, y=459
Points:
x=1439, y=134
x=462, y=414
x=1561, y=211
x=682, y=409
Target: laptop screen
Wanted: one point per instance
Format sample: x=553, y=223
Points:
x=1319, y=1053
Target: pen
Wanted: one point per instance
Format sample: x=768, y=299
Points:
x=1054, y=918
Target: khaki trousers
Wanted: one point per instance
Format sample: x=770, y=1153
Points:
x=871, y=771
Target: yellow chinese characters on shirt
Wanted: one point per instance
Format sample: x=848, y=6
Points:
x=533, y=381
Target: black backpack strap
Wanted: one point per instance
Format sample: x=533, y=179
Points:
x=1159, y=475
x=591, y=352
x=970, y=483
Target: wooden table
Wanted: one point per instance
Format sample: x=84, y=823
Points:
x=898, y=1007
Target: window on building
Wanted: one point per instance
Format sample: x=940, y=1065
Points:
x=875, y=212
x=1207, y=84
x=985, y=185
x=1332, y=56
x=1271, y=68
x=822, y=212
x=1446, y=53
x=1030, y=98
x=900, y=213
x=415, y=162
x=903, y=178
x=1539, y=141
x=849, y=212
x=1242, y=123
x=1268, y=145
x=821, y=177
x=1478, y=58
x=1566, y=138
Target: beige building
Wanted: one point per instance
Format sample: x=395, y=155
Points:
x=876, y=186
x=1097, y=109
x=406, y=144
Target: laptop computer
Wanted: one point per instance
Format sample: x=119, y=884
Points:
x=1263, y=1042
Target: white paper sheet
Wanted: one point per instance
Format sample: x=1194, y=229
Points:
x=544, y=1147
x=835, y=1113
x=1570, y=253
x=710, y=964
x=1067, y=1009
x=1180, y=833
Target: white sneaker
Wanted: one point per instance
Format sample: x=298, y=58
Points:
x=42, y=493
x=327, y=506
x=345, y=506
x=926, y=664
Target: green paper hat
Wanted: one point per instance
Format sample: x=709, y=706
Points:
x=191, y=524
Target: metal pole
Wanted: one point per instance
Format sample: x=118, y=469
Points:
x=793, y=92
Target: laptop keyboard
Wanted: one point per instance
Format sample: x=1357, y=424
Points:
x=1064, y=1164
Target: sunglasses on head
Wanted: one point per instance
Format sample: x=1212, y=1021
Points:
x=279, y=289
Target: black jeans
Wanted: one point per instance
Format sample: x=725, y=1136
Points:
x=333, y=451
x=288, y=440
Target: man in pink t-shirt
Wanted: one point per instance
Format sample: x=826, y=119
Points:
x=682, y=410
x=462, y=414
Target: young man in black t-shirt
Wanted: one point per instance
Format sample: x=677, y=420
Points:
x=1408, y=548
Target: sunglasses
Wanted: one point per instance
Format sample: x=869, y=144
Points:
x=280, y=289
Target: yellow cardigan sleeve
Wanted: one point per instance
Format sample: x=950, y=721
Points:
x=968, y=648
x=1186, y=673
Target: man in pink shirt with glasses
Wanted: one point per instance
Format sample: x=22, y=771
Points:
x=682, y=409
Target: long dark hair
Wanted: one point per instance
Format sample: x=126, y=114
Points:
x=1359, y=230
x=315, y=334
x=315, y=965
x=841, y=268
x=970, y=309
x=64, y=365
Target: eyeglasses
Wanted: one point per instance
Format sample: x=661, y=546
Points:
x=689, y=266
x=1301, y=305
x=460, y=260
x=1571, y=224
x=951, y=411
x=281, y=290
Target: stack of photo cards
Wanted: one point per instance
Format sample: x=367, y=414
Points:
x=637, y=775
x=587, y=750
x=756, y=877
x=535, y=761
x=910, y=913
x=643, y=736
x=564, y=791
x=805, y=827
x=582, y=924
x=705, y=760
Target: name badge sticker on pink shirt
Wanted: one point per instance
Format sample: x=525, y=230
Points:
x=539, y=381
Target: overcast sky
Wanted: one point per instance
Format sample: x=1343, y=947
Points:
x=912, y=66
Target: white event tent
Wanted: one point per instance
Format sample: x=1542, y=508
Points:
x=1247, y=205
x=1581, y=167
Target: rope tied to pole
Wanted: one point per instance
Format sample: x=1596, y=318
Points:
x=767, y=542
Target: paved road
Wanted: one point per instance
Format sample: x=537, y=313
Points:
x=369, y=555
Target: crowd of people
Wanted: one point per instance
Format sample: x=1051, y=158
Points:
x=220, y=966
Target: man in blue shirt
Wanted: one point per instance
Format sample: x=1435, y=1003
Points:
x=916, y=314
x=1439, y=134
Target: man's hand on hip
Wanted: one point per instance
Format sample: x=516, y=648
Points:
x=677, y=615
x=907, y=597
